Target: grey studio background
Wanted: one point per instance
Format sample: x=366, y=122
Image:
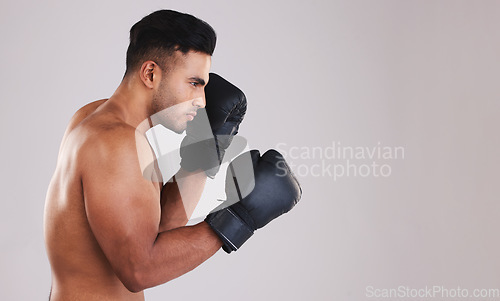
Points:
x=319, y=76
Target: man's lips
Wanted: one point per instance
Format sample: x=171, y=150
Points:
x=191, y=115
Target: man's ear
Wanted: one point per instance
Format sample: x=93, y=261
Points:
x=150, y=72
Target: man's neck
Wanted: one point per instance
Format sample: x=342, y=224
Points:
x=132, y=102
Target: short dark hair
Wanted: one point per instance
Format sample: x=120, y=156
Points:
x=158, y=35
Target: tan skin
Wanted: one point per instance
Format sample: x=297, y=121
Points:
x=110, y=230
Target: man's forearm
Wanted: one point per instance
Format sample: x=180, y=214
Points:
x=177, y=252
x=173, y=214
x=179, y=198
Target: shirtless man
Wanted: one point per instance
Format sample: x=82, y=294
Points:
x=111, y=228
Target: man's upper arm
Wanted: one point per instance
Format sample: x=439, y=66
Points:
x=122, y=206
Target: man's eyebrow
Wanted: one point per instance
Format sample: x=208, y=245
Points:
x=200, y=81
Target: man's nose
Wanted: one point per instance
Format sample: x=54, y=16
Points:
x=200, y=102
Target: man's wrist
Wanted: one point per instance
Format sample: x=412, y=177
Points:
x=213, y=234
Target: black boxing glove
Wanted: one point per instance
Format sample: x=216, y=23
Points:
x=258, y=192
x=211, y=131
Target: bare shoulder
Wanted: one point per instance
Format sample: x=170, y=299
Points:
x=84, y=112
x=115, y=143
x=107, y=138
x=97, y=139
x=100, y=131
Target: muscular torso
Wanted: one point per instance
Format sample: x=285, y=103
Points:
x=80, y=269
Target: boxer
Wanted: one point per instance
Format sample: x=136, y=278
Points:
x=111, y=230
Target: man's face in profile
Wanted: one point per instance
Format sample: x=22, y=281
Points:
x=181, y=91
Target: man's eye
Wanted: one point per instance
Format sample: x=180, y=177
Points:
x=194, y=84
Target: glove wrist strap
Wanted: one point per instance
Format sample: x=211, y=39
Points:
x=232, y=230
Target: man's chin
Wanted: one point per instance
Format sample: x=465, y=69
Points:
x=177, y=129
